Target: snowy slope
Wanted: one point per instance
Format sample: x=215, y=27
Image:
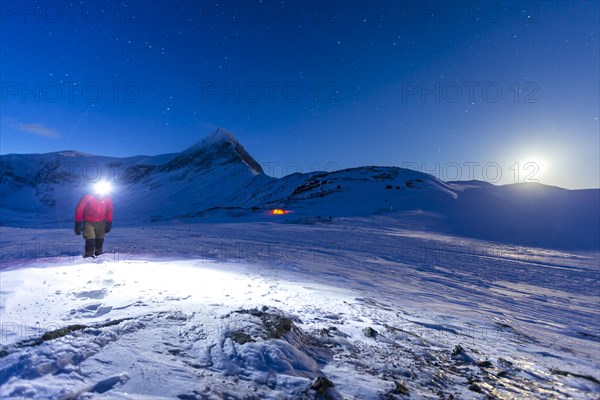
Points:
x=528, y=213
x=359, y=308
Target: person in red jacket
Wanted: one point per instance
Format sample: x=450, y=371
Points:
x=93, y=218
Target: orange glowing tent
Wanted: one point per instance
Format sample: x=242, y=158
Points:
x=278, y=211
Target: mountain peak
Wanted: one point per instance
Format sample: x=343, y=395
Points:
x=218, y=147
x=221, y=135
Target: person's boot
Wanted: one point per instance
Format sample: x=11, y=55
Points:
x=99, y=243
x=90, y=245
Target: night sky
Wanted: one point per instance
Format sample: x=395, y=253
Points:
x=502, y=91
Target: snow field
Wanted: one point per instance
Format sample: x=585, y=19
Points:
x=369, y=306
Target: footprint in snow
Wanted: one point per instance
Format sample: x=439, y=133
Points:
x=91, y=311
x=91, y=294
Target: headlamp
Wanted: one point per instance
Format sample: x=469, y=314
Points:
x=102, y=188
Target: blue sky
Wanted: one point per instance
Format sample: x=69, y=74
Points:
x=502, y=91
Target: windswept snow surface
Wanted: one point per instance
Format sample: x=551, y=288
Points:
x=357, y=308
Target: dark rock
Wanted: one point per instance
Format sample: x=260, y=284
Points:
x=475, y=388
x=505, y=363
x=187, y=397
x=51, y=335
x=400, y=388
x=370, y=332
x=321, y=385
x=275, y=325
x=109, y=383
x=241, y=337
x=576, y=375
x=460, y=355
x=458, y=350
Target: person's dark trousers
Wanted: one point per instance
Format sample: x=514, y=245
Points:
x=98, y=244
x=93, y=233
x=90, y=245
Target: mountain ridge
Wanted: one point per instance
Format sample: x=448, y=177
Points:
x=219, y=147
x=217, y=180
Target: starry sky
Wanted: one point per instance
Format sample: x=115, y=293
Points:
x=500, y=91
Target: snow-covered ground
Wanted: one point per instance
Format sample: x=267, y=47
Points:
x=376, y=307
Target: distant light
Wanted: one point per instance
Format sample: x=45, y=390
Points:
x=279, y=211
x=102, y=188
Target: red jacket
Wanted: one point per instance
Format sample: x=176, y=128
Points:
x=90, y=208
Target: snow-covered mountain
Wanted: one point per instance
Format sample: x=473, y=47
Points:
x=217, y=179
x=208, y=174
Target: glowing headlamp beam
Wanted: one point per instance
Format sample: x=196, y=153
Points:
x=102, y=187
